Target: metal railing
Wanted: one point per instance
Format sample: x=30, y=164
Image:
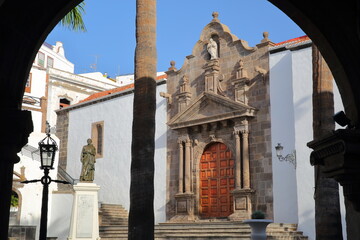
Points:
x=66, y=176
x=35, y=101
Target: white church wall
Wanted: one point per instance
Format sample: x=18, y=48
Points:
x=113, y=170
x=283, y=131
x=302, y=100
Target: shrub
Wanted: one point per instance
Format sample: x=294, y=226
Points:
x=258, y=215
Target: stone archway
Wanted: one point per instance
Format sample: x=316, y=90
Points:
x=217, y=180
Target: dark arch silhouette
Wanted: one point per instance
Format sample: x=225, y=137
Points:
x=24, y=25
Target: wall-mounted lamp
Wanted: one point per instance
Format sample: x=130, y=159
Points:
x=288, y=158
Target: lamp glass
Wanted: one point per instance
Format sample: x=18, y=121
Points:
x=279, y=150
x=47, y=153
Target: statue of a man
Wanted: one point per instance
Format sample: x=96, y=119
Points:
x=212, y=48
x=88, y=162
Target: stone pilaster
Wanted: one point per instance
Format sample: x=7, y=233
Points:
x=181, y=166
x=246, y=159
x=212, y=69
x=187, y=165
x=237, y=159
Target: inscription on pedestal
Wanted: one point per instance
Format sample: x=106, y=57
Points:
x=181, y=207
x=241, y=203
x=84, y=224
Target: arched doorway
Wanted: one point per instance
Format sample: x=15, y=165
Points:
x=15, y=208
x=216, y=181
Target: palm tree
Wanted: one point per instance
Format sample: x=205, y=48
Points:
x=74, y=19
x=141, y=214
x=327, y=206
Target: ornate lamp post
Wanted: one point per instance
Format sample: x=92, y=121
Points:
x=48, y=148
x=288, y=158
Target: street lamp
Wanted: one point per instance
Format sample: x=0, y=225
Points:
x=288, y=158
x=48, y=148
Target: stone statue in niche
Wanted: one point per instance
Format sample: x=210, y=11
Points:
x=88, y=162
x=212, y=49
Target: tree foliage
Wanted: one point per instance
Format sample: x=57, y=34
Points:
x=74, y=19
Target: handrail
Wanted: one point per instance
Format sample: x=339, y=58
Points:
x=66, y=176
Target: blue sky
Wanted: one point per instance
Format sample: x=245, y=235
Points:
x=110, y=37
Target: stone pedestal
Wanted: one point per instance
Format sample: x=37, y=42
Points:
x=242, y=204
x=85, y=213
x=184, y=208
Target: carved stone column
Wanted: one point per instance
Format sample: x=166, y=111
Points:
x=181, y=166
x=243, y=194
x=187, y=165
x=185, y=199
x=237, y=160
x=246, y=160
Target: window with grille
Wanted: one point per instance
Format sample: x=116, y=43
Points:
x=50, y=62
x=97, y=135
x=41, y=59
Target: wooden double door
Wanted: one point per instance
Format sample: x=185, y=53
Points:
x=216, y=181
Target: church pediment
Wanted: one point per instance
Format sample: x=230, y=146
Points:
x=210, y=107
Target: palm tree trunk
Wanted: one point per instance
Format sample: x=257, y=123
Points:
x=141, y=215
x=327, y=206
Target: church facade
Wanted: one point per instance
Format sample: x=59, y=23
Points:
x=219, y=123
x=218, y=120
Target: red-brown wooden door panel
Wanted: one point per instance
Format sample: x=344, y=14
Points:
x=216, y=181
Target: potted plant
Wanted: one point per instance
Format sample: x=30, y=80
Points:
x=258, y=225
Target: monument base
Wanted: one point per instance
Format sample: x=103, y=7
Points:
x=84, y=223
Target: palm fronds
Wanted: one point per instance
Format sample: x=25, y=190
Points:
x=74, y=19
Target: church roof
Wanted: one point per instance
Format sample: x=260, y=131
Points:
x=291, y=43
x=115, y=90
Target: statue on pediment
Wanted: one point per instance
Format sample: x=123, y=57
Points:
x=212, y=49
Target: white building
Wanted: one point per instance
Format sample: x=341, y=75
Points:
x=51, y=85
x=291, y=125
x=112, y=110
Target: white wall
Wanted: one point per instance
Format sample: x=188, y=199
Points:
x=60, y=62
x=113, y=170
x=302, y=100
x=283, y=131
x=59, y=221
x=292, y=116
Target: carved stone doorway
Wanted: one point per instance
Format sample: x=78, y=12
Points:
x=216, y=181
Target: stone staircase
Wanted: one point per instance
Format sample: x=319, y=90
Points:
x=113, y=222
x=113, y=226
